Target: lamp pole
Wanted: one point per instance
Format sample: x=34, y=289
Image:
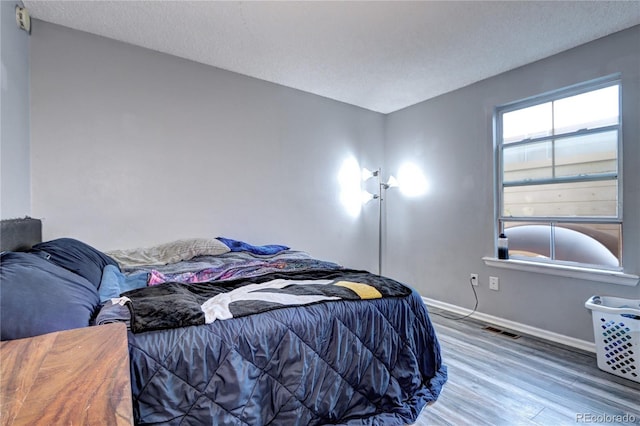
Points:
x=380, y=187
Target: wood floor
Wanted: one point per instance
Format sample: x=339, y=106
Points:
x=495, y=379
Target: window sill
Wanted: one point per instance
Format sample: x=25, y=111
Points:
x=599, y=275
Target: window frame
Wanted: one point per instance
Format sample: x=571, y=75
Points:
x=555, y=95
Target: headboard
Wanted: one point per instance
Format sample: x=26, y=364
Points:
x=20, y=234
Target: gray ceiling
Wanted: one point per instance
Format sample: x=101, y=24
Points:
x=379, y=55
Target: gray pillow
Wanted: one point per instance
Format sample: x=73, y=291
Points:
x=171, y=252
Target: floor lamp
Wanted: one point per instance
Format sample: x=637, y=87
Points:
x=382, y=186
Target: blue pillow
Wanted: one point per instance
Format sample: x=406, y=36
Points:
x=235, y=245
x=38, y=297
x=115, y=282
x=75, y=256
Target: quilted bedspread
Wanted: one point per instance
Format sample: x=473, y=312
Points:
x=374, y=361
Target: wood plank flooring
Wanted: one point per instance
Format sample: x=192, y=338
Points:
x=498, y=380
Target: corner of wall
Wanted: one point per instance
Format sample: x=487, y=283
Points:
x=15, y=169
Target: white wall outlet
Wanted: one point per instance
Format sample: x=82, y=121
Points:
x=474, y=279
x=494, y=283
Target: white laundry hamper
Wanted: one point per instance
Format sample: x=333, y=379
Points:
x=616, y=329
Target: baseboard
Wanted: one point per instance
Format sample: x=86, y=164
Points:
x=516, y=326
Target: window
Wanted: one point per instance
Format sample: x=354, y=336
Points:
x=559, y=191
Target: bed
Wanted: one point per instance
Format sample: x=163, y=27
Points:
x=225, y=332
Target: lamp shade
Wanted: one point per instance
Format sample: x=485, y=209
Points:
x=368, y=174
x=366, y=196
x=392, y=182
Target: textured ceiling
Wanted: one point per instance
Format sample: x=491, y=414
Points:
x=379, y=55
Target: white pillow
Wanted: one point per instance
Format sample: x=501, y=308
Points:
x=172, y=252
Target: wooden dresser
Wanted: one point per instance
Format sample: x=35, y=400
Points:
x=73, y=377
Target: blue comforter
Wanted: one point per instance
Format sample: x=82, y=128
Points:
x=341, y=362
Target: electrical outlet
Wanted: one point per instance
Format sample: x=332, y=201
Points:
x=474, y=279
x=494, y=283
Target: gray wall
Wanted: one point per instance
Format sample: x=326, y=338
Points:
x=15, y=185
x=436, y=241
x=131, y=147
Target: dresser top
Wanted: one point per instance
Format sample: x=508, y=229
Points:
x=78, y=377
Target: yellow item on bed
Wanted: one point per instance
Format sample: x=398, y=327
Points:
x=365, y=291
